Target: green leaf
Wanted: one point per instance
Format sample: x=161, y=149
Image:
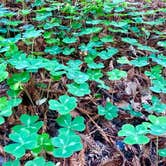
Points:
x=78, y=76
x=39, y=161
x=12, y=163
x=134, y=135
x=66, y=145
x=3, y=72
x=123, y=60
x=88, y=31
x=162, y=43
x=78, y=89
x=162, y=152
x=116, y=74
x=110, y=111
x=64, y=105
x=29, y=122
x=159, y=59
x=69, y=40
x=140, y=61
x=77, y=124
x=94, y=74
x=108, y=53
x=131, y=41
x=16, y=149
x=43, y=143
x=156, y=106
x=53, y=50
x=107, y=39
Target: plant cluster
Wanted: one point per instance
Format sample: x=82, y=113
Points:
x=75, y=45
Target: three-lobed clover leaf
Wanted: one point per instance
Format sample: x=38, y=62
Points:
x=157, y=125
x=64, y=105
x=30, y=123
x=66, y=144
x=110, y=111
x=106, y=54
x=78, y=76
x=16, y=81
x=3, y=72
x=69, y=125
x=162, y=152
x=158, y=85
x=24, y=140
x=43, y=144
x=69, y=40
x=78, y=89
x=6, y=107
x=156, y=106
x=12, y=163
x=116, y=74
x=134, y=135
x=39, y=161
x=140, y=61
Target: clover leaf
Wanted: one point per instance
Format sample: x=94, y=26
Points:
x=66, y=144
x=78, y=76
x=12, y=163
x=159, y=59
x=156, y=106
x=88, y=31
x=24, y=140
x=77, y=124
x=162, y=43
x=94, y=74
x=69, y=40
x=64, y=105
x=158, y=85
x=30, y=123
x=39, y=161
x=43, y=143
x=6, y=107
x=116, y=74
x=140, y=61
x=157, y=125
x=134, y=135
x=53, y=50
x=108, y=53
x=162, y=152
x=16, y=81
x=78, y=89
x=107, y=38
x=110, y=111
x=3, y=72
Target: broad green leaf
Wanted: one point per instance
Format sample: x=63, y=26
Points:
x=162, y=152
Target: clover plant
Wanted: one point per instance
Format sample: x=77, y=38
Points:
x=69, y=125
x=23, y=140
x=156, y=106
x=134, y=135
x=116, y=74
x=78, y=48
x=64, y=105
x=109, y=111
x=66, y=144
